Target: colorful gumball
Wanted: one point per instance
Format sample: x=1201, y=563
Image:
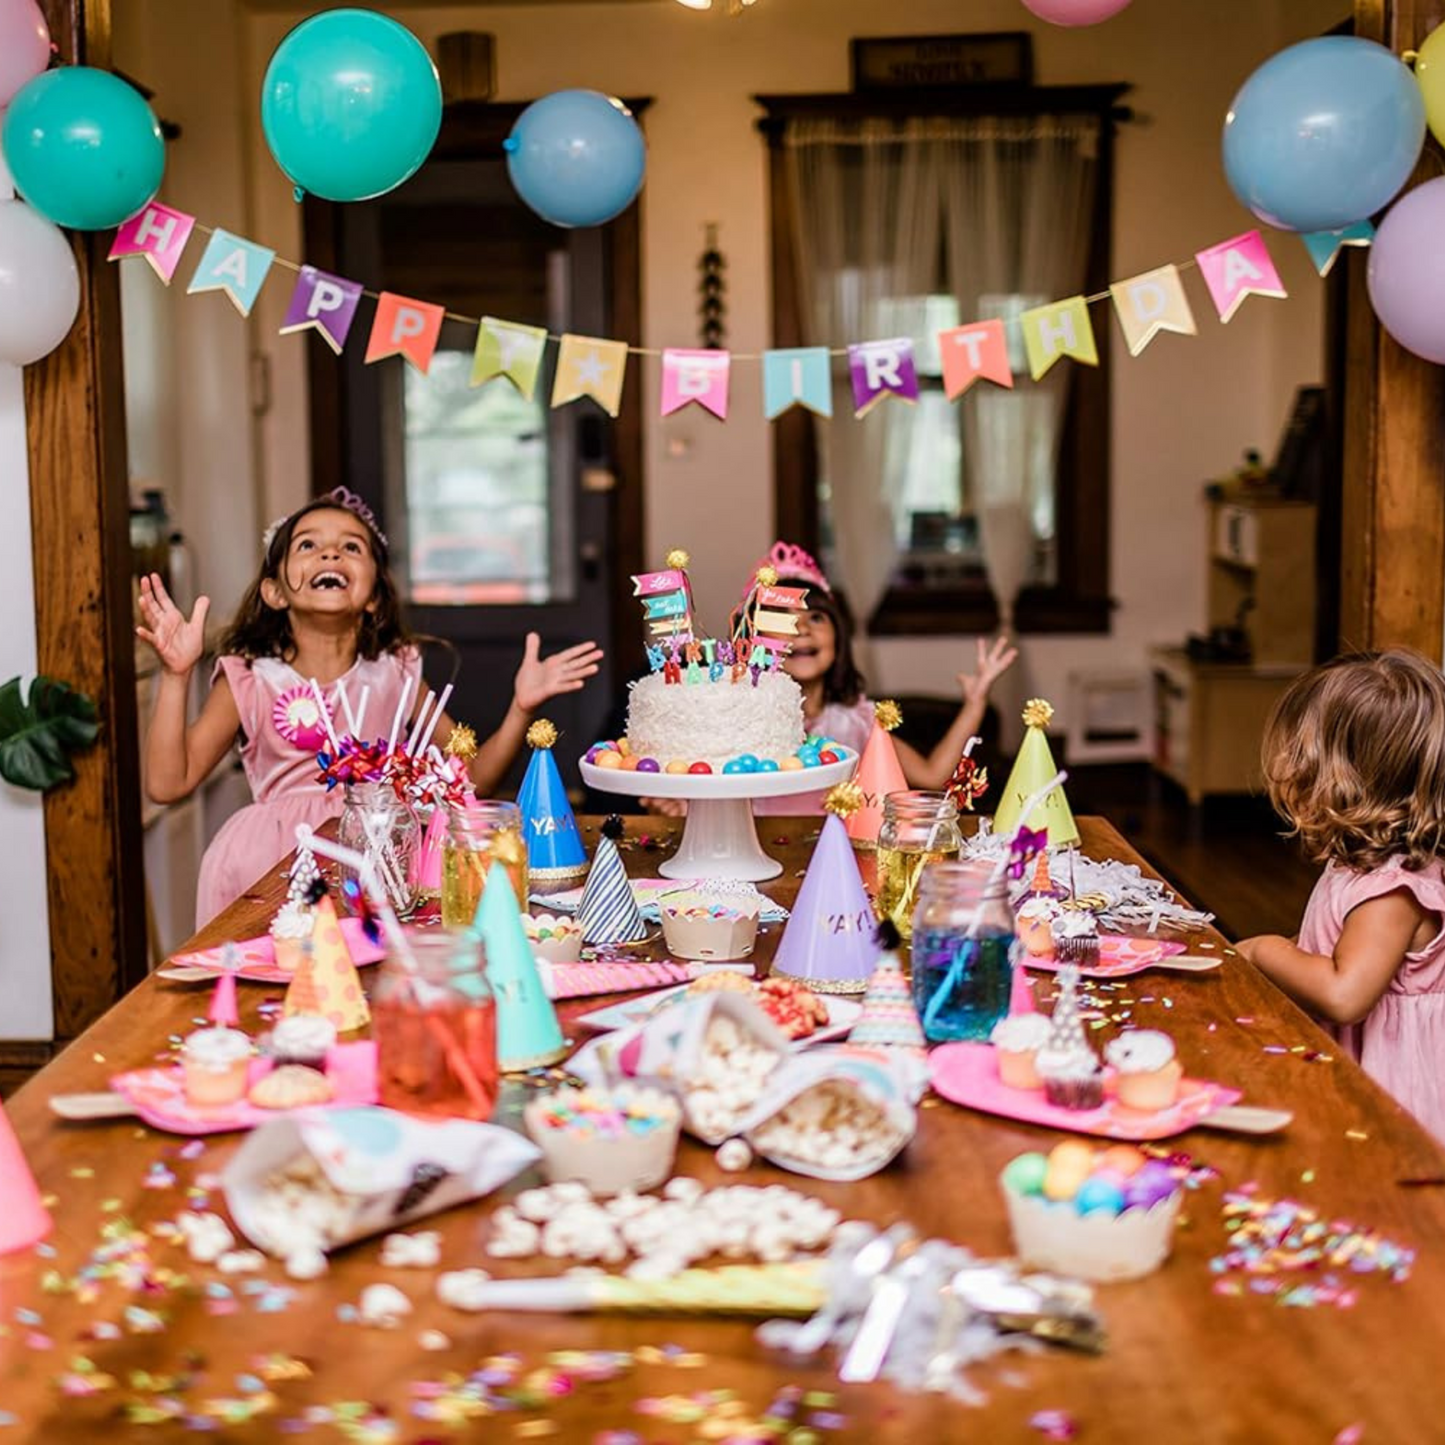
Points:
x=609, y=760
x=648, y=765
x=1154, y=1181
x=1025, y=1175
x=700, y=768
x=767, y=765
x=791, y=765
x=676, y=766
x=828, y=756
x=1100, y=1194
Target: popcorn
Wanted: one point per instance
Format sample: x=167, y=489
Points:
x=207, y=1236
x=460, y=1288
x=383, y=1306
x=241, y=1261
x=734, y=1156
x=306, y=1263
x=411, y=1251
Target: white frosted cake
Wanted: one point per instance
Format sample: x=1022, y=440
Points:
x=714, y=722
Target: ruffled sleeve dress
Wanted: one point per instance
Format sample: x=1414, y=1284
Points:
x=846, y=723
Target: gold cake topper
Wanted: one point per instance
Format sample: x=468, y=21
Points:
x=1037, y=713
x=542, y=734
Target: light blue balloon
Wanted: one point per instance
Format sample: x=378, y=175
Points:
x=1324, y=134
x=83, y=147
x=351, y=105
x=576, y=157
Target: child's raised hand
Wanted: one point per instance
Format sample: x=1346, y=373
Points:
x=994, y=659
x=540, y=678
x=178, y=641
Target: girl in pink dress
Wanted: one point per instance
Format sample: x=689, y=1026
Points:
x=1354, y=758
x=324, y=608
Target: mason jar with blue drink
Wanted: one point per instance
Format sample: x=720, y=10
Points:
x=964, y=944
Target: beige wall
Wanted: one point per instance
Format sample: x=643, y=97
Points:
x=1181, y=413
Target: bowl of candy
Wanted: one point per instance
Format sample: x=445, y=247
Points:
x=612, y=1140
x=558, y=940
x=711, y=923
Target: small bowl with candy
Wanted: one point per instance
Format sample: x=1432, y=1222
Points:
x=558, y=940
x=1097, y=1214
x=713, y=923
x=611, y=1140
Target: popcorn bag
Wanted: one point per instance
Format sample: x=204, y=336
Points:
x=715, y=1051
x=838, y=1114
x=316, y=1180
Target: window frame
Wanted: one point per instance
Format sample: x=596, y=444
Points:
x=1079, y=601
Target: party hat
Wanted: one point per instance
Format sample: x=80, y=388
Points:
x=426, y=867
x=23, y=1218
x=608, y=911
x=1032, y=769
x=554, y=846
x=223, y=1011
x=528, y=1034
x=1021, y=992
x=889, y=1020
x=327, y=982
x=828, y=942
x=879, y=773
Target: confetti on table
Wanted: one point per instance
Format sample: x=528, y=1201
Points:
x=1054, y=1424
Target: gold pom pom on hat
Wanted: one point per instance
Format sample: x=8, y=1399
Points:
x=1037, y=713
x=677, y=559
x=888, y=714
x=542, y=734
x=462, y=743
x=843, y=799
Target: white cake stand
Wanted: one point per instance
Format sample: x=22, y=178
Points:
x=721, y=838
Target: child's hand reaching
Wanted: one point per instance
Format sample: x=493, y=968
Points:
x=994, y=659
x=540, y=678
x=178, y=641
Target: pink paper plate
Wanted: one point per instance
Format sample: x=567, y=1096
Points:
x=1118, y=956
x=258, y=955
x=159, y=1095
x=967, y=1074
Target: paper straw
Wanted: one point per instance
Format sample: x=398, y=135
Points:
x=436, y=717
x=346, y=711
x=970, y=745
x=419, y=722
x=361, y=709
x=325, y=716
x=401, y=703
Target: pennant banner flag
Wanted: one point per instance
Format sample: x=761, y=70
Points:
x=881, y=369
x=800, y=377
x=590, y=366
x=700, y=376
x=507, y=349
x=1235, y=269
x=974, y=353
x=235, y=266
x=1325, y=246
x=158, y=233
x=1151, y=303
x=1060, y=329
x=404, y=327
x=649, y=584
x=324, y=301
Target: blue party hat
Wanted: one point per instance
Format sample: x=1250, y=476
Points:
x=608, y=911
x=554, y=845
x=828, y=943
x=528, y=1034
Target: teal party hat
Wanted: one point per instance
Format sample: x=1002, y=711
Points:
x=608, y=911
x=528, y=1034
x=554, y=845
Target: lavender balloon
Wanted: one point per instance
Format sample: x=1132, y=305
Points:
x=1075, y=12
x=1407, y=271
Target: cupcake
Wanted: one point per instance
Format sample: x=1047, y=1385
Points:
x=1147, y=1074
x=1035, y=925
x=301, y=1039
x=1076, y=937
x=214, y=1062
x=1017, y=1041
x=1067, y=1064
x=290, y=930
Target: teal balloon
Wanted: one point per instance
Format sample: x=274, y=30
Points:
x=351, y=105
x=1324, y=134
x=576, y=157
x=83, y=147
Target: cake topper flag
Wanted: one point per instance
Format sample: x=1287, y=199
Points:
x=667, y=599
x=889, y=1020
x=23, y=1217
x=879, y=773
x=554, y=846
x=528, y=1034
x=1033, y=767
x=332, y=975
x=828, y=943
x=608, y=911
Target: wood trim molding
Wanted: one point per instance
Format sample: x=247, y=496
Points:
x=80, y=523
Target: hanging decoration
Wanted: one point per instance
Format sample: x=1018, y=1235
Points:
x=712, y=288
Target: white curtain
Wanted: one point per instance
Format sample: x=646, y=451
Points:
x=995, y=211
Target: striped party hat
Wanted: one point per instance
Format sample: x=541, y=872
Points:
x=608, y=911
x=889, y=1019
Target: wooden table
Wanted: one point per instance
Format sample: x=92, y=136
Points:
x=1183, y=1363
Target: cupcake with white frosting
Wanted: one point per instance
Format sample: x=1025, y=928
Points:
x=215, y=1062
x=1147, y=1073
x=1035, y=917
x=290, y=930
x=1076, y=937
x=1017, y=1041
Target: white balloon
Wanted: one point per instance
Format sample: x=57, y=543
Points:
x=39, y=285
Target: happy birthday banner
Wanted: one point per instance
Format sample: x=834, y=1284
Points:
x=593, y=366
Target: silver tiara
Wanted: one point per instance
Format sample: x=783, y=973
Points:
x=342, y=497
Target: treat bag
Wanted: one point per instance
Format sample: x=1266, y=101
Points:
x=879, y=773
x=426, y=865
x=828, y=943
x=24, y=1220
x=889, y=1019
x=528, y=1034
x=331, y=986
x=608, y=911
x=1032, y=770
x=555, y=854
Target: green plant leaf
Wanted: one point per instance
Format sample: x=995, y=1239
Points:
x=38, y=733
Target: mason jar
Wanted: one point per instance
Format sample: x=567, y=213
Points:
x=480, y=833
x=918, y=828
x=964, y=950
x=435, y=1023
x=379, y=825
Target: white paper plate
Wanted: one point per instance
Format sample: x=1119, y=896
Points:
x=843, y=1013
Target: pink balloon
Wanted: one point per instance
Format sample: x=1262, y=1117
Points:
x=24, y=46
x=1076, y=12
x=1407, y=271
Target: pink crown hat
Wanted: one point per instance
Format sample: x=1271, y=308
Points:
x=788, y=560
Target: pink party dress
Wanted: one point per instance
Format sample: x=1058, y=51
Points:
x=848, y=724
x=1401, y=1042
x=281, y=734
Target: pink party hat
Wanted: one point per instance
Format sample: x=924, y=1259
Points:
x=889, y=1020
x=1021, y=992
x=23, y=1218
x=828, y=942
x=223, y=1012
x=426, y=868
x=879, y=773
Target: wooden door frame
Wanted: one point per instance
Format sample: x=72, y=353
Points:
x=80, y=542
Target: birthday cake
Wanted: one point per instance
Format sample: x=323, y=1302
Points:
x=715, y=722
